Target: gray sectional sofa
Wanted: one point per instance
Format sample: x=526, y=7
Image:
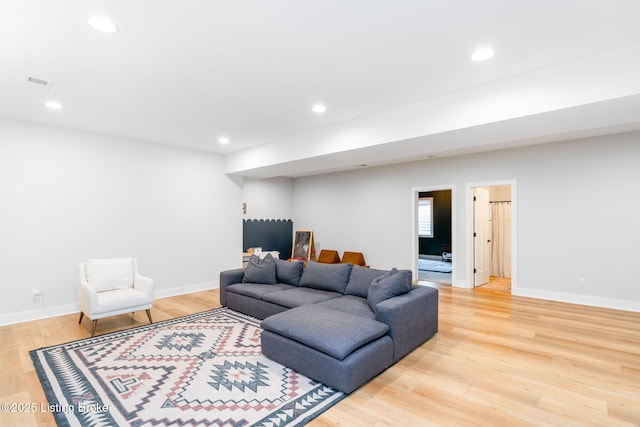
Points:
x=339, y=324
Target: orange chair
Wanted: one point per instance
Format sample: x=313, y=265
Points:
x=355, y=258
x=328, y=256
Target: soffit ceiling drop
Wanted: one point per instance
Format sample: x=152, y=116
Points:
x=192, y=73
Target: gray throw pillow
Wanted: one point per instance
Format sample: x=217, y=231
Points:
x=289, y=272
x=260, y=270
x=360, y=280
x=327, y=277
x=395, y=282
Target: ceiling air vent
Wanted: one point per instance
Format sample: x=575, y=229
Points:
x=35, y=81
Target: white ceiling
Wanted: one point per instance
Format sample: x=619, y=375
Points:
x=185, y=73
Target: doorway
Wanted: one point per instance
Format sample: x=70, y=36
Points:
x=492, y=235
x=433, y=234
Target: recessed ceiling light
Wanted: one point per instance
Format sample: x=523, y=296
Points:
x=319, y=108
x=223, y=140
x=102, y=24
x=54, y=105
x=482, y=54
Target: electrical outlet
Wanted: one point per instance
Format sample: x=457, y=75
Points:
x=581, y=283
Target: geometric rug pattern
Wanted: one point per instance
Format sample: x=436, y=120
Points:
x=204, y=369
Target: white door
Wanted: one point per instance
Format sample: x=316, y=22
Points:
x=481, y=236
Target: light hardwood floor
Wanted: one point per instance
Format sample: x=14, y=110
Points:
x=496, y=360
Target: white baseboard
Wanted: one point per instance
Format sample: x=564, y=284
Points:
x=578, y=299
x=40, y=313
x=62, y=310
x=462, y=284
x=172, y=292
x=616, y=304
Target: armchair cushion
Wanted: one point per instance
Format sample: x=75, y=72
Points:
x=117, y=300
x=110, y=273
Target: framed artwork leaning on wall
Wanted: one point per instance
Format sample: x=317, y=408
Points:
x=302, y=244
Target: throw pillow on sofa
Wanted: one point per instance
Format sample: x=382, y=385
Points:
x=327, y=277
x=289, y=272
x=360, y=280
x=395, y=282
x=260, y=270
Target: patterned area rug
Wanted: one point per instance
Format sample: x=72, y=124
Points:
x=205, y=369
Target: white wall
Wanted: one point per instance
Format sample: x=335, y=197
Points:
x=576, y=206
x=268, y=198
x=68, y=195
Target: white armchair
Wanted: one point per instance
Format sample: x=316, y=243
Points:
x=112, y=286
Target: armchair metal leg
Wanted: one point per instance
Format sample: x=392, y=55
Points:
x=81, y=316
x=149, y=315
x=93, y=327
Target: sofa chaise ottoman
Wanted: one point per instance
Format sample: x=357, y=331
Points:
x=339, y=324
x=341, y=350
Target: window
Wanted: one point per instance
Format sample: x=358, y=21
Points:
x=425, y=216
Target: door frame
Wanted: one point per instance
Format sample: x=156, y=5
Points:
x=481, y=231
x=514, y=229
x=415, y=194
